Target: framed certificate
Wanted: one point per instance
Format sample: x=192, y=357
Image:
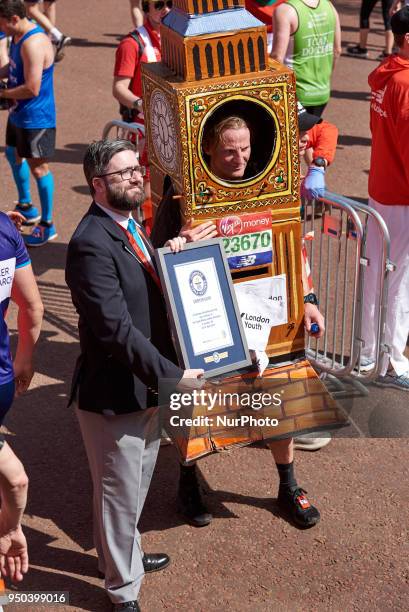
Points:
x=203, y=308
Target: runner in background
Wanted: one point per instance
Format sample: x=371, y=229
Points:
x=388, y=190
x=47, y=20
x=307, y=38
x=141, y=45
x=20, y=286
x=30, y=133
x=361, y=50
x=317, y=147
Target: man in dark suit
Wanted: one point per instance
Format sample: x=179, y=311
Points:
x=126, y=352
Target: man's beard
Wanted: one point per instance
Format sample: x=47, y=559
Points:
x=121, y=199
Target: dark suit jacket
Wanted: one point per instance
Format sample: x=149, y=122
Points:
x=126, y=348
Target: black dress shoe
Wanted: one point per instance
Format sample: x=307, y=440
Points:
x=190, y=502
x=151, y=563
x=155, y=562
x=128, y=606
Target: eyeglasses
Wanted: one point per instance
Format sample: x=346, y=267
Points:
x=160, y=4
x=127, y=173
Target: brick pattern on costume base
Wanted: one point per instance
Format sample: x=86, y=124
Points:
x=306, y=406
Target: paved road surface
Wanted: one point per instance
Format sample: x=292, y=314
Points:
x=250, y=558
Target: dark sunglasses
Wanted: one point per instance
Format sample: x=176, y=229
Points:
x=160, y=4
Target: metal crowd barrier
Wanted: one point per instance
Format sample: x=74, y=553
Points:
x=121, y=129
x=335, y=231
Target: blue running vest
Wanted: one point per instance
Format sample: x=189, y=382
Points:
x=13, y=255
x=37, y=112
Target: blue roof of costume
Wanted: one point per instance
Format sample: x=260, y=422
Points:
x=210, y=23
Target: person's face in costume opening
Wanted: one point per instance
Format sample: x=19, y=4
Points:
x=229, y=157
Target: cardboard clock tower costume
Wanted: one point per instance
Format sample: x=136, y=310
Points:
x=215, y=64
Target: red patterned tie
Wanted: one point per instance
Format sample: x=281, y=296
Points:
x=137, y=240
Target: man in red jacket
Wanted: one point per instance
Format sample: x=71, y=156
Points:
x=389, y=194
x=141, y=45
x=317, y=146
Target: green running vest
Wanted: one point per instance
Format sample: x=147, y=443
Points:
x=313, y=51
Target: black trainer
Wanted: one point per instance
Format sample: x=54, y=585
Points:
x=190, y=502
x=60, y=47
x=383, y=55
x=295, y=504
x=357, y=51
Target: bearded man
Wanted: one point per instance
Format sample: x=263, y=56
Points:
x=126, y=351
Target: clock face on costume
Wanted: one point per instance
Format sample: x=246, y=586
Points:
x=163, y=130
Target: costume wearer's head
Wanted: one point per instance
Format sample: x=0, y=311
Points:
x=114, y=175
x=228, y=146
x=400, y=27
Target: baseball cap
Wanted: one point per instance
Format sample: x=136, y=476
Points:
x=305, y=119
x=400, y=21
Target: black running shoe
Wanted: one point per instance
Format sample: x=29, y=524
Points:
x=357, y=51
x=295, y=504
x=60, y=47
x=383, y=56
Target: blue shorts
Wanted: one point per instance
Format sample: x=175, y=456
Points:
x=2, y=35
x=6, y=399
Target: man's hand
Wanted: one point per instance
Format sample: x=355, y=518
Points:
x=313, y=186
x=313, y=315
x=16, y=217
x=23, y=374
x=204, y=231
x=176, y=244
x=191, y=379
x=13, y=552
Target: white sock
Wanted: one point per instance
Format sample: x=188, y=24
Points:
x=56, y=35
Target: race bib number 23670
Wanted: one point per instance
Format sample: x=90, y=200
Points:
x=247, y=239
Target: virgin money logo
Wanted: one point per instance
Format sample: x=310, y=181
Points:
x=230, y=226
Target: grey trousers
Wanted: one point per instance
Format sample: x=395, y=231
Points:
x=122, y=453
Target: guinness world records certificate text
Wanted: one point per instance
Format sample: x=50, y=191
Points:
x=203, y=306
